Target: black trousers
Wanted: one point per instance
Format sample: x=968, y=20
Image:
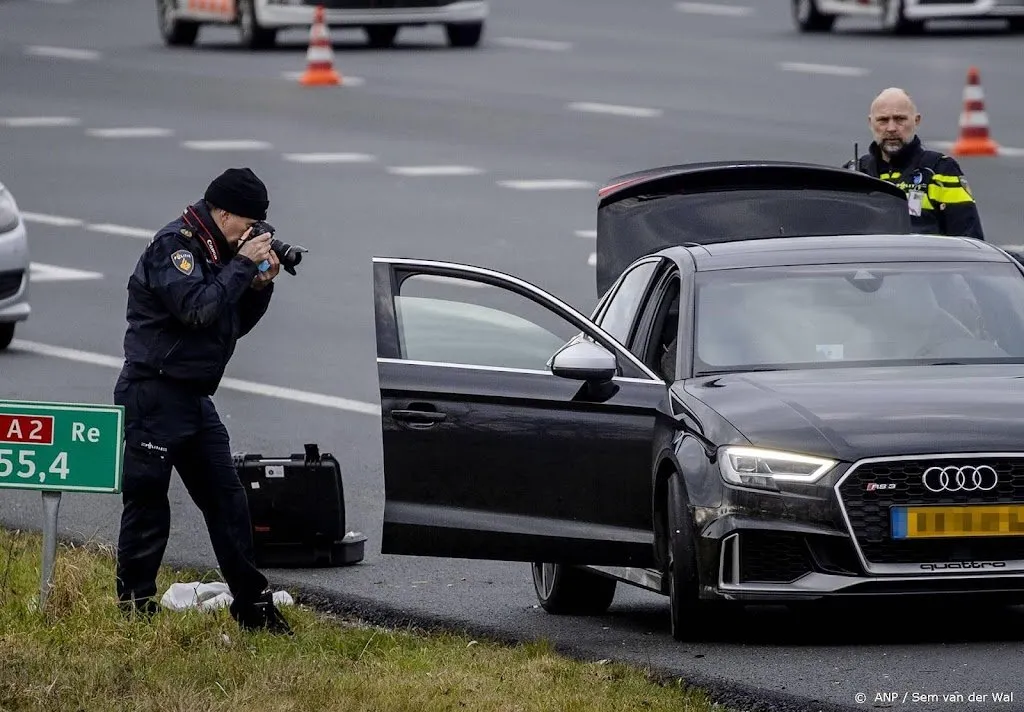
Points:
x=166, y=427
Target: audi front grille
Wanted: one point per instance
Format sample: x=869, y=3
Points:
x=870, y=490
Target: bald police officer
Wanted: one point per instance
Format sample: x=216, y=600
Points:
x=939, y=198
x=195, y=291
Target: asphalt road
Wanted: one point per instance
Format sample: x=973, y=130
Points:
x=432, y=153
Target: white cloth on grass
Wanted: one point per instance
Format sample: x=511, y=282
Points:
x=208, y=596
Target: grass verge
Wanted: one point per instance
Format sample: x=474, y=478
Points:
x=81, y=654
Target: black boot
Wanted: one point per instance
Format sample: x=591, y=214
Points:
x=260, y=614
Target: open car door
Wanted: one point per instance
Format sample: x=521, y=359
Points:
x=701, y=203
x=513, y=428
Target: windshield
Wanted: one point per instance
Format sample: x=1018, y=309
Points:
x=858, y=315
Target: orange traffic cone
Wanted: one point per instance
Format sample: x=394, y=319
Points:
x=974, y=134
x=320, y=56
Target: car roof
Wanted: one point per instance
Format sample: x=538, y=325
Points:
x=828, y=249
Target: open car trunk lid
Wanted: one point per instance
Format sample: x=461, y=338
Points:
x=702, y=203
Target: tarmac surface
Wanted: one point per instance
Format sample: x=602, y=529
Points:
x=492, y=157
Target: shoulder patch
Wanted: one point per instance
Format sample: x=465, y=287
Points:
x=186, y=232
x=183, y=261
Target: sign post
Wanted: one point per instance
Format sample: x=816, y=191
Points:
x=56, y=448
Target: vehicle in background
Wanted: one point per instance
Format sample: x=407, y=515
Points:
x=904, y=16
x=259, y=21
x=14, y=268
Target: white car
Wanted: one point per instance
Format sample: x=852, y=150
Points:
x=904, y=16
x=259, y=20
x=14, y=268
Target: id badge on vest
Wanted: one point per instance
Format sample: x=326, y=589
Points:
x=914, y=200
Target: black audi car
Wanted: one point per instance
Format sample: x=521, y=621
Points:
x=782, y=395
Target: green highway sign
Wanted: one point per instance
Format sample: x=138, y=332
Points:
x=64, y=447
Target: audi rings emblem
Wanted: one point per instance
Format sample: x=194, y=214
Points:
x=967, y=478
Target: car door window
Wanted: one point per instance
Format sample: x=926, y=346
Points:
x=465, y=321
x=622, y=309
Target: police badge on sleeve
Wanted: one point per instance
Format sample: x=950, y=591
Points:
x=183, y=262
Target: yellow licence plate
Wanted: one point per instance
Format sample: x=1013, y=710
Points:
x=962, y=521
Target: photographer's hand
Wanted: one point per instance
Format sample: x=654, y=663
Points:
x=257, y=248
x=262, y=279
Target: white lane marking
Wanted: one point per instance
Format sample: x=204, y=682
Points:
x=423, y=171
x=615, y=109
x=39, y=272
x=592, y=259
x=329, y=157
x=704, y=8
x=527, y=43
x=546, y=184
x=44, y=219
x=122, y=230
x=130, y=132
x=235, y=384
x=346, y=80
x=36, y=121
x=227, y=145
x=829, y=69
x=62, y=52
x=588, y=234
x=1004, y=151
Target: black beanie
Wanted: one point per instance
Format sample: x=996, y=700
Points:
x=239, y=191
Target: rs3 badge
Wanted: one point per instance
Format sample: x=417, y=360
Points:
x=183, y=261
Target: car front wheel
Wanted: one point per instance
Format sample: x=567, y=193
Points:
x=692, y=617
x=569, y=590
x=6, y=334
x=464, y=34
x=176, y=33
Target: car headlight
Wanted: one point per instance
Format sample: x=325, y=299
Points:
x=757, y=467
x=8, y=210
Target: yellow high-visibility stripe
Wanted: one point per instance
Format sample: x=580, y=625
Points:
x=946, y=180
x=941, y=194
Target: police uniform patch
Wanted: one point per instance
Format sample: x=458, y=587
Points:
x=183, y=261
x=186, y=232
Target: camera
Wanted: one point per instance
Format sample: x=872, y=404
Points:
x=290, y=255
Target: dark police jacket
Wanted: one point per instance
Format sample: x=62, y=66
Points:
x=189, y=301
x=935, y=187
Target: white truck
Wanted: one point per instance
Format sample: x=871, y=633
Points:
x=259, y=21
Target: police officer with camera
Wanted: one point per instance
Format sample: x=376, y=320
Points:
x=204, y=281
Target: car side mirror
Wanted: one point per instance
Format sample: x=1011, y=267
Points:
x=585, y=361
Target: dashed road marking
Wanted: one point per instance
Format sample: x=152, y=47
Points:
x=546, y=184
x=703, y=8
x=38, y=121
x=39, y=272
x=592, y=259
x=227, y=145
x=130, y=132
x=44, y=219
x=615, y=109
x=62, y=53
x=329, y=157
x=123, y=230
x=424, y=171
x=587, y=234
x=834, y=70
x=235, y=384
x=526, y=43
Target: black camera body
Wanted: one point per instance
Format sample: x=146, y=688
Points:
x=289, y=255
